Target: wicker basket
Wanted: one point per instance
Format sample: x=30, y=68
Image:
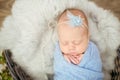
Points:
x=115, y=74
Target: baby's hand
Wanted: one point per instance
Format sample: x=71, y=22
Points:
x=75, y=59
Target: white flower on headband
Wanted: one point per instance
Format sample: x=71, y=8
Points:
x=74, y=21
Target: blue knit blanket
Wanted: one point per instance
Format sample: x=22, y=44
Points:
x=90, y=67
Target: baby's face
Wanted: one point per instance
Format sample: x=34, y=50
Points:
x=72, y=40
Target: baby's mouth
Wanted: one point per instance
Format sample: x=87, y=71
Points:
x=74, y=53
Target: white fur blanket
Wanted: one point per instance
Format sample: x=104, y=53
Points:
x=30, y=33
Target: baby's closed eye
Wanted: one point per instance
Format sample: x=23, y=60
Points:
x=76, y=42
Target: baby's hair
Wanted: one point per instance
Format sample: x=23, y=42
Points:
x=74, y=13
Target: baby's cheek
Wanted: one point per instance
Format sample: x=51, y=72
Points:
x=81, y=49
x=63, y=49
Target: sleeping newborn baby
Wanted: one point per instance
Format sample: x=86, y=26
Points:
x=75, y=57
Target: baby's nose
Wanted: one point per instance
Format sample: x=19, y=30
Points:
x=71, y=47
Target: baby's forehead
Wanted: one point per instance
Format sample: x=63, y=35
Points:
x=66, y=31
x=69, y=30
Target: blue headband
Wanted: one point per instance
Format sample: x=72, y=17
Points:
x=74, y=21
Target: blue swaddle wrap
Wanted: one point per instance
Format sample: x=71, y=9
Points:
x=90, y=67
